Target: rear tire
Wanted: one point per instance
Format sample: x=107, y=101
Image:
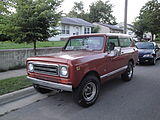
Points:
x=128, y=74
x=40, y=89
x=87, y=92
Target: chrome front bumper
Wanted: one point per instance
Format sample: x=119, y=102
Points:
x=52, y=85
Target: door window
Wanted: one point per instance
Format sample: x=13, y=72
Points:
x=125, y=42
x=111, y=43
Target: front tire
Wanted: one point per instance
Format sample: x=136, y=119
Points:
x=128, y=74
x=87, y=92
x=153, y=61
x=40, y=89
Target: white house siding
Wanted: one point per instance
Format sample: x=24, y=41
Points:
x=82, y=28
x=103, y=29
x=73, y=30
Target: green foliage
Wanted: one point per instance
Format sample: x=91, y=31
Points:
x=157, y=39
x=101, y=12
x=78, y=11
x=12, y=45
x=4, y=37
x=139, y=28
x=34, y=19
x=96, y=29
x=5, y=19
x=13, y=84
x=149, y=18
x=4, y=5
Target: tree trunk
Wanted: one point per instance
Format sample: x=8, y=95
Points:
x=34, y=47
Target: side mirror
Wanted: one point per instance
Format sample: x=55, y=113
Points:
x=157, y=48
x=117, y=51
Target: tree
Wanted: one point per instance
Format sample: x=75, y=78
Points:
x=101, y=12
x=139, y=28
x=5, y=22
x=95, y=29
x=149, y=17
x=4, y=6
x=35, y=20
x=78, y=11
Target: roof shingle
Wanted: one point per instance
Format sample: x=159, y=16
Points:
x=76, y=21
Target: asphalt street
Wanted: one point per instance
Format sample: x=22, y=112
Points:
x=138, y=99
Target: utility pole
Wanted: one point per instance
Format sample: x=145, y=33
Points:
x=125, y=17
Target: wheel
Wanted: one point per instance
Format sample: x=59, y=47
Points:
x=40, y=89
x=140, y=63
x=128, y=74
x=87, y=92
x=153, y=61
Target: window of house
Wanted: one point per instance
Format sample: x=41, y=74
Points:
x=87, y=30
x=65, y=29
x=111, y=43
x=125, y=42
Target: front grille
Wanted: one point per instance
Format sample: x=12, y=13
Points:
x=49, y=69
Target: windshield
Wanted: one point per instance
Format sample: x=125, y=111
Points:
x=85, y=43
x=145, y=45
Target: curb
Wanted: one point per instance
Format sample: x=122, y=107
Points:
x=13, y=96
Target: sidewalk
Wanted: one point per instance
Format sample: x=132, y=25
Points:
x=12, y=73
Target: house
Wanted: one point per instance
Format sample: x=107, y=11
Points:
x=107, y=28
x=130, y=28
x=72, y=26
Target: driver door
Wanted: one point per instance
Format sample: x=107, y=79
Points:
x=113, y=61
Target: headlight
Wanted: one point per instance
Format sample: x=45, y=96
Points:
x=148, y=55
x=64, y=71
x=30, y=67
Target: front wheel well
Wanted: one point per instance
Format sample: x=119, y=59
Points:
x=92, y=73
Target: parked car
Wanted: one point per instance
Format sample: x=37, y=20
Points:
x=84, y=63
x=148, y=52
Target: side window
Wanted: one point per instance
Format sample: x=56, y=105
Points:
x=111, y=43
x=125, y=42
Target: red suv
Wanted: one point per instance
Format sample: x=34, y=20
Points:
x=84, y=63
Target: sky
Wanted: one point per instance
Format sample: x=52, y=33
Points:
x=134, y=7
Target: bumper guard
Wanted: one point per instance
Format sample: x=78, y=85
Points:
x=52, y=85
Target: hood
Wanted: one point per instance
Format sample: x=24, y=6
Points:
x=145, y=51
x=62, y=57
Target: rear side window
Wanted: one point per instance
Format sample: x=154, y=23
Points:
x=112, y=42
x=125, y=42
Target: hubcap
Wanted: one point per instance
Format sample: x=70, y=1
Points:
x=89, y=91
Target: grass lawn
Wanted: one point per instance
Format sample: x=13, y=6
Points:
x=13, y=84
x=12, y=45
